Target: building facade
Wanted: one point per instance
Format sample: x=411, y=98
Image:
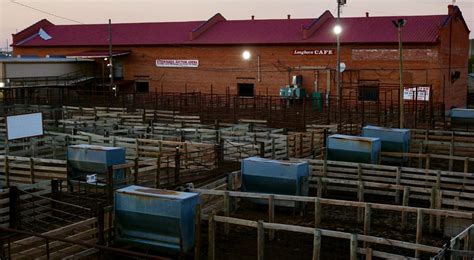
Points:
x=206, y=56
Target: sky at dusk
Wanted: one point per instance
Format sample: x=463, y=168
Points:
x=16, y=16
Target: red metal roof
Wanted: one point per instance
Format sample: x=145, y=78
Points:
x=419, y=29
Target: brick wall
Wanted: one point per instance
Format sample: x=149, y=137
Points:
x=221, y=68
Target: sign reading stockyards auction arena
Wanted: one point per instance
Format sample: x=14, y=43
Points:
x=177, y=63
x=313, y=52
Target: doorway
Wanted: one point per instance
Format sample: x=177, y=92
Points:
x=245, y=89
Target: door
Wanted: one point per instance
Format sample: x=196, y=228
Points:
x=245, y=89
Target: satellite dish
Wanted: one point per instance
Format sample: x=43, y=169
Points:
x=342, y=67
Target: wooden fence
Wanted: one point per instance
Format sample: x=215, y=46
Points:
x=4, y=208
x=229, y=196
x=22, y=170
x=38, y=248
x=442, y=189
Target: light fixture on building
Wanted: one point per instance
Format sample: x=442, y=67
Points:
x=337, y=29
x=246, y=55
x=2, y=85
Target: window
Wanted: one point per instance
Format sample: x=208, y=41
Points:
x=143, y=86
x=367, y=93
x=245, y=89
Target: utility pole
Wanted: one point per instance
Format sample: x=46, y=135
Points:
x=110, y=65
x=399, y=24
x=337, y=31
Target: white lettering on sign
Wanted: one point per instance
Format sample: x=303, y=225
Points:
x=177, y=63
x=418, y=93
x=313, y=52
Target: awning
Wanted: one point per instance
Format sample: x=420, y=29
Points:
x=97, y=54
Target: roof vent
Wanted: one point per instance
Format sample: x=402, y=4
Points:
x=44, y=35
x=367, y=14
x=289, y=16
x=253, y=17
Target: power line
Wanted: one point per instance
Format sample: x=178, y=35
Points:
x=45, y=12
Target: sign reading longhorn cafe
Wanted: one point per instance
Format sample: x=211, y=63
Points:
x=313, y=52
x=177, y=63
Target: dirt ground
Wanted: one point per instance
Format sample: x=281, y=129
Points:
x=241, y=243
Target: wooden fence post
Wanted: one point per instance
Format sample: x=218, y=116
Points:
x=397, y=191
x=226, y=211
x=135, y=171
x=466, y=165
x=260, y=240
x=262, y=149
x=367, y=218
x=406, y=196
x=428, y=162
x=55, y=195
x=360, y=193
x=353, y=248
x=320, y=187
x=439, y=204
x=197, y=233
x=317, y=212
x=32, y=171
x=433, y=204
x=451, y=152
x=157, y=173
x=368, y=253
x=271, y=216
x=177, y=165
x=273, y=148
x=6, y=168
x=419, y=229
x=211, y=251
x=367, y=221
x=317, y=244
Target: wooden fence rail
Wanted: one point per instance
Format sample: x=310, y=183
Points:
x=443, y=189
x=354, y=239
x=365, y=218
x=34, y=247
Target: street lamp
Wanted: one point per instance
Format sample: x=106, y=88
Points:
x=399, y=25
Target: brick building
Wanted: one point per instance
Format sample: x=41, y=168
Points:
x=206, y=56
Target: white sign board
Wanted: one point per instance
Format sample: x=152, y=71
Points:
x=420, y=93
x=22, y=126
x=177, y=63
x=91, y=178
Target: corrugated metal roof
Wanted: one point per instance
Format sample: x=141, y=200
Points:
x=419, y=29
